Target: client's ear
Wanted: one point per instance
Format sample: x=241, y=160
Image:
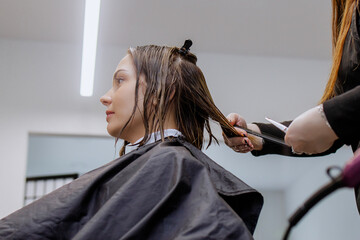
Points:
x=156, y=101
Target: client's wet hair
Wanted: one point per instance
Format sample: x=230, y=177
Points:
x=174, y=83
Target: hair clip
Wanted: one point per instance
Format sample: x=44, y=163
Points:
x=186, y=47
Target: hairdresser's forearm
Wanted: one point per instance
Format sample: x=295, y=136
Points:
x=343, y=114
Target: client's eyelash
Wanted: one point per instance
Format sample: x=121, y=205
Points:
x=119, y=80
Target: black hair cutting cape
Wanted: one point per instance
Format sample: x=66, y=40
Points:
x=165, y=190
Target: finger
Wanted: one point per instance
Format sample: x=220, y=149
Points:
x=296, y=151
x=243, y=144
x=242, y=148
x=247, y=148
x=234, y=141
x=241, y=132
x=235, y=118
x=238, y=149
x=232, y=118
x=242, y=151
x=248, y=143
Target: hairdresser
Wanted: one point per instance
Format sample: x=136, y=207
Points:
x=336, y=121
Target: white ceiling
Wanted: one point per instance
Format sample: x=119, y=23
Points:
x=289, y=28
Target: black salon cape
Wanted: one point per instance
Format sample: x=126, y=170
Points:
x=165, y=190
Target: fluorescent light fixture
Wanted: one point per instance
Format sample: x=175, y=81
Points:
x=91, y=25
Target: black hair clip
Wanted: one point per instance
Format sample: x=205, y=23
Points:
x=186, y=47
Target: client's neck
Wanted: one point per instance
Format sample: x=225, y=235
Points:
x=170, y=122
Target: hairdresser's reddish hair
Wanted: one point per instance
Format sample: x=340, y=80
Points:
x=341, y=21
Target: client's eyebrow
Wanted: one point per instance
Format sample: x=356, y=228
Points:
x=117, y=72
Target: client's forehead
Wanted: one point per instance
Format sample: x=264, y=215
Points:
x=125, y=63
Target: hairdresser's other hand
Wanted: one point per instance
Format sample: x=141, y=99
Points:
x=310, y=133
x=238, y=144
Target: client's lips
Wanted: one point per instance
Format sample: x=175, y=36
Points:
x=109, y=114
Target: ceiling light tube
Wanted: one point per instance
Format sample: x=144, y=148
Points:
x=91, y=25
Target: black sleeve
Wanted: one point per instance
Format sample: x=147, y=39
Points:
x=273, y=148
x=343, y=114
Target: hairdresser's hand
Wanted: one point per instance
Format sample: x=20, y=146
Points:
x=310, y=133
x=239, y=144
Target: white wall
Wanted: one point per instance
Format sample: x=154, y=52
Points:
x=272, y=221
x=33, y=101
x=68, y=154
x=256, y=87
x=39, y=92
